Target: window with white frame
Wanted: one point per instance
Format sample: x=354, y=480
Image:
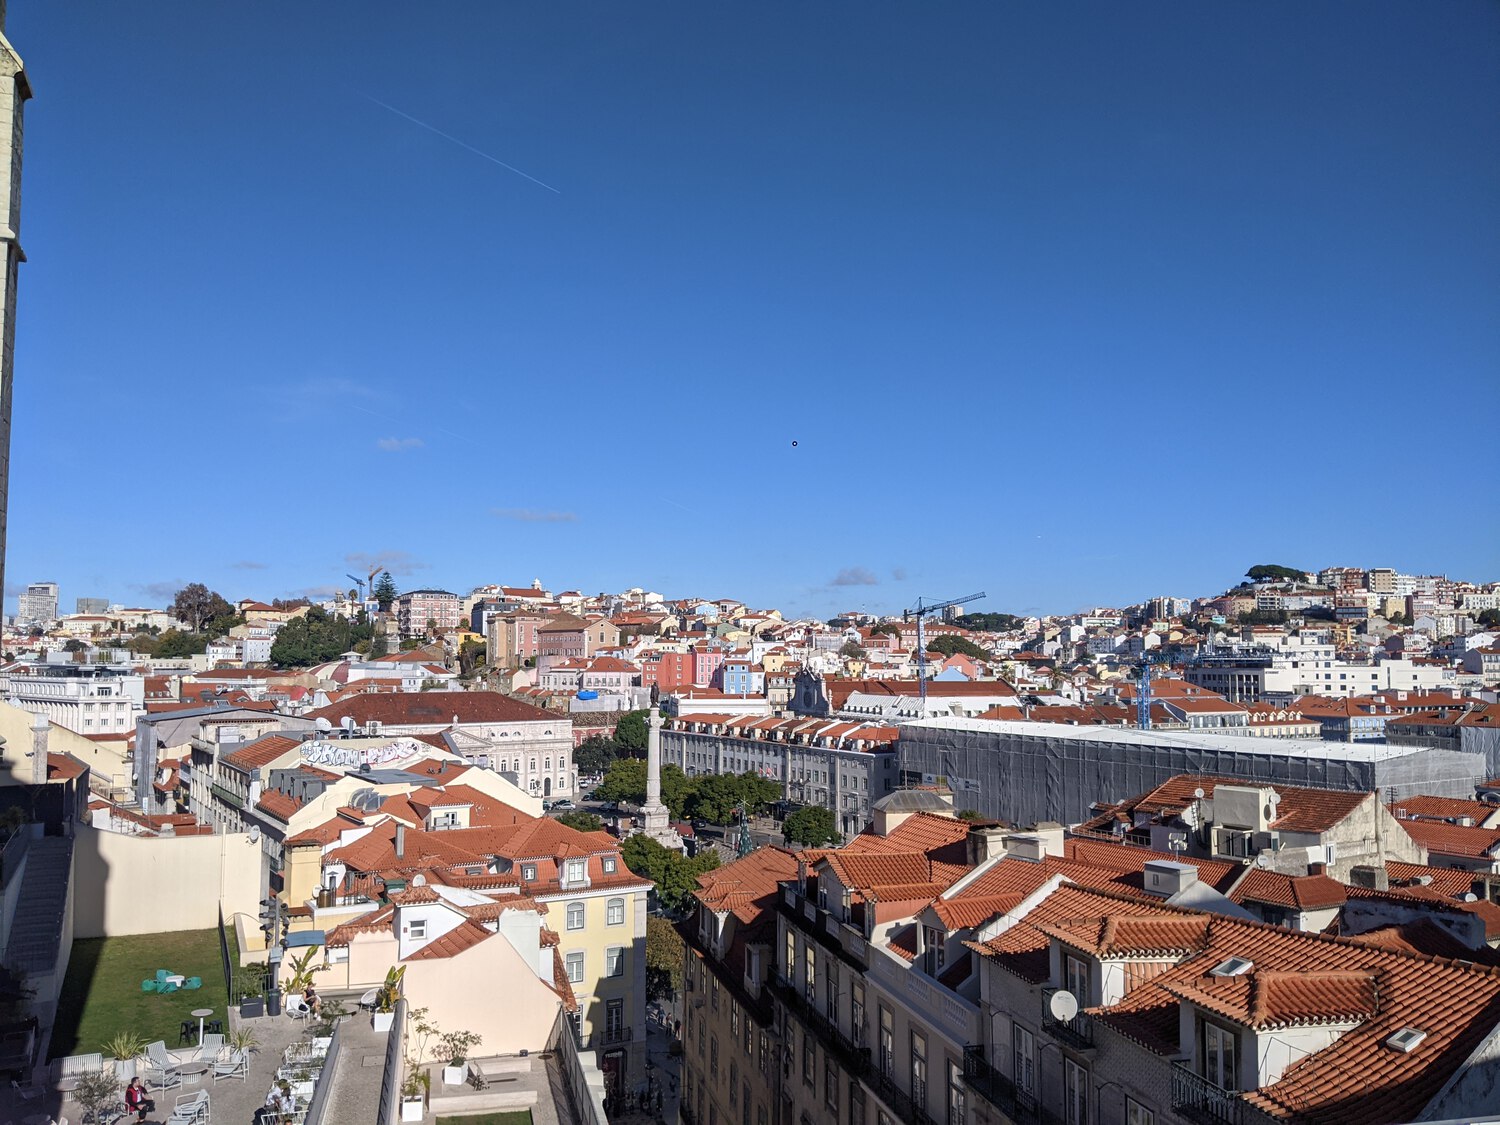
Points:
x=417, y=928
x=1076, y=979
x=575, y=915
x=614, y=961
x=1137, y=1114
x=1024, y=1074
x=577, y=869
x=614, y=912
x=1075, y=1093
x=609, y=865
x=574, y=964
x=1220, y=1056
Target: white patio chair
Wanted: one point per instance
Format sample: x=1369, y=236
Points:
x=161, y=1068
x=367, y=1001
x=232, y=1064
x=213, y=1044
x=297, y=1008
x=190, y=1109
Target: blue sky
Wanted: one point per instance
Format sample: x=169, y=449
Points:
x=819, y=306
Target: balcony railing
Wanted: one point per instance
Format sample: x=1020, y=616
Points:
x=1076, y=1032
x=855, y=1058
x=907, y=1109
x=605, y=1037
x=1198, y=1099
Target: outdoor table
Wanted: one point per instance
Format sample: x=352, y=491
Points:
x=202, y=1014
x=68, y=1085
x=176, y=978
x=196, y=1068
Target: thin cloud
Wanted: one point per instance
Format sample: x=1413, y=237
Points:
x=248, y=565
x=899, y=574
x=534, y=515
x=855, y=576
x=162, y=592
x=397, y=562
x=398, y=444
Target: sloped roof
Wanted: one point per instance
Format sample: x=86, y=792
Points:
x=431, y=707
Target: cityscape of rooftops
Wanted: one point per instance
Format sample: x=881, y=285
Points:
x=769, y=565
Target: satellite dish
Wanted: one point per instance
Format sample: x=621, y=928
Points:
x=1263, y=860
x=323, y=724
x=419, y=880
x=1471, y=897
x=254, y=833
x=1063, y=1005
x=347, y=722
x=1198, y=793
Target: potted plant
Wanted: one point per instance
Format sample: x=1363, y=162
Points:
x=385, y=998
x=98, y=1091
x=413, y=1094
x=125, y=1047
x=455, y=1047
x=244, y=1039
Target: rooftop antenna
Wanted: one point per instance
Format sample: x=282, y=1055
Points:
x=920, y=612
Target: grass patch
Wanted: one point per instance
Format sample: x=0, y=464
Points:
x=101, y=994
x=509, y=1117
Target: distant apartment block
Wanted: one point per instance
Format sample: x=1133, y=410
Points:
x=38, y=604
x=91, y=607
x=87, y=700
x=419, y=610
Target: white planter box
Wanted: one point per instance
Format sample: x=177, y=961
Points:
x=381, y=1021
x=411, y=1109
x=455, y=1075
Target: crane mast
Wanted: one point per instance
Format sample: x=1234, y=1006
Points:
x=920, y=612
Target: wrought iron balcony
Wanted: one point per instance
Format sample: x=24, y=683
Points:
x=907, y=1108
x=1201, y=1100
x=1076, y=1032
x=855, y=1058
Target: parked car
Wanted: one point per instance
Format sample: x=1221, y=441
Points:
x=563, y=804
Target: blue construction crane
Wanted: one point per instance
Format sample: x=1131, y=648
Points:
x=920, y=613
x=1143, y=693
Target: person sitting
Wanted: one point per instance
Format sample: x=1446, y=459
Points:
x=311, y=999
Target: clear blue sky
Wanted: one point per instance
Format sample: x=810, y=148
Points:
x=1073, y=303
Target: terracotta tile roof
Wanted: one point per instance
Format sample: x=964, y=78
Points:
x=747, y=886
x=1427, y=937
x=1444, y=808
x=372, y=923
x=1300, y=892
x=466, y=935
x=280, y=805
x=1023, y=949
x=427, y=708
x=1115, y=936
x=416, y=896
x=261, y=752
x=969, y=911
x=560, y=982
x=1449, y=882
x=1265, y=999
x=903, y=942
x=1300, y=809
x=1451, y=840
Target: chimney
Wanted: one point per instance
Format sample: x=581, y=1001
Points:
x=400, y=841
x=41, y=729
x=1370, y=877
x=985, y=842
x=1027, y=847
x=1165, y=878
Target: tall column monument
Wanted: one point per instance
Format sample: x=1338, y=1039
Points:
x=655, y=815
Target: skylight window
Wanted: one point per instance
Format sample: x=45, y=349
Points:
x=1234, y=967
x=1406, y=1040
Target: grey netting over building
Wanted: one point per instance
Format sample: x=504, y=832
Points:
x=1028, y=772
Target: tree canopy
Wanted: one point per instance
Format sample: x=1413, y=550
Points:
x=1272, y=572
x=626, y=782
x=664, y=954
x=853, y=650
x=384, y=591
x=632, y=733
x=594, y=754
x=948, y=644
x=174, y=643
x=196, y=605
x=675, y=875
x=583, y=821
x=316, y=637
x=811, y=825
x=988, y=622
x=714, y=797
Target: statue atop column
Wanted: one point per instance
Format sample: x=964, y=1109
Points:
x=655, y=816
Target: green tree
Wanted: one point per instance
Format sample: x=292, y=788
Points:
x=470, y=656
x=142, y=644
x=74, y=645
x=664, y=953
x=675, y=875
x=716, y=796
x=948, y=644
x=1489, y=617
x=594, y=754
x=583, y=821
x=889, y=628
x=196, y=605
x=1271, y=572
x=968, y=814
x=988, y=622
x=625, y=782
x=853, y=651
x=632, y=733
x=315, y=638
x=811, y=825
x=175, y=644
x=384, y=591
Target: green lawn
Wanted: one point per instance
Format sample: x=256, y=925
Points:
x=510, y=1117
x=102, y=992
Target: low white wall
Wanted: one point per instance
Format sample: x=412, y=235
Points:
x=155, y=885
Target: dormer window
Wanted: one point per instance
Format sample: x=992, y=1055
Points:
x=1076, y=979
x=933, y=953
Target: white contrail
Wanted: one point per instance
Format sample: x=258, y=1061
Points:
x=464, y=144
